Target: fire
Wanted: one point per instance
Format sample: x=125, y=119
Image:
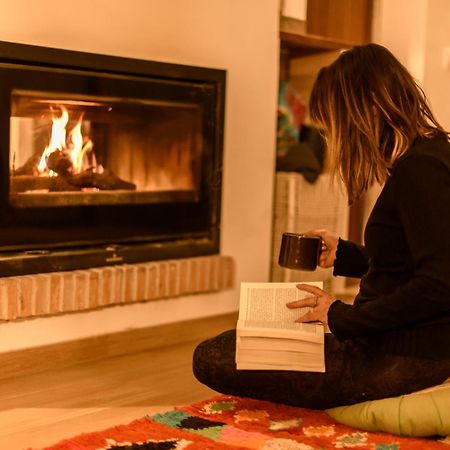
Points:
x=77, y=148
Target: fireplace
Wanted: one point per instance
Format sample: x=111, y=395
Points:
x=106, y=160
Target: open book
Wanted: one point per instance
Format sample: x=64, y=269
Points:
x=268, y=338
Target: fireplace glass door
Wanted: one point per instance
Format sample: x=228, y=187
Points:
x=99, y=151
x=70, y=150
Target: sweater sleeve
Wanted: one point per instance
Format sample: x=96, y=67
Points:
x=422, y=191
x=351, y=260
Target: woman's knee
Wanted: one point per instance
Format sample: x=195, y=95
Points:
x=211, y=357
x=200, y=364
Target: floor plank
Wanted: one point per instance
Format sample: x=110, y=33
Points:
x=29, y=427
x=41, y=409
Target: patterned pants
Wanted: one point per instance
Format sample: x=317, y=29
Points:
x=355, y=373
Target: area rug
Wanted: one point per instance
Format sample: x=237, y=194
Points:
x=226, y=422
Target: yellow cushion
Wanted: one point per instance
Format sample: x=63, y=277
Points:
x=422, y=413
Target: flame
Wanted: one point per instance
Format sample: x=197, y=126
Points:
x=77, y=149
x=57, y=139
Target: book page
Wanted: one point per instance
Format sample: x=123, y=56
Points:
x=281, y=357
x=275, y=344
x=263, y=311
x=312, y=332
x=267, y=331
x=266, y=302
x=316, y=367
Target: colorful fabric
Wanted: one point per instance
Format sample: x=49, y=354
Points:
x=291, y=112
x=227, y=422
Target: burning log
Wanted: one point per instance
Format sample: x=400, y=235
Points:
x=23, y=183
x=30, y=165
x=62, y=184
x=66, y=164
x=106, y=181
x=60, y=163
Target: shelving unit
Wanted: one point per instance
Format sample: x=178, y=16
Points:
x=296, y=43
x=299, y=205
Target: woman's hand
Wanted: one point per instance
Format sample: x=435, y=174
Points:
x=320, y=303
x=329, y=247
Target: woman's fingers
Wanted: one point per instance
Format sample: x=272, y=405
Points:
x=307, y=301
x=319, y=301
x=324, y=256
x=311, y=289
x=324, y=247
x=303, y=303
x=310, y=316
x=320, y=233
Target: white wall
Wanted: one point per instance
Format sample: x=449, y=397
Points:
x=240, y=36
x=418, y=32
x=437, y=76
x=400, y=26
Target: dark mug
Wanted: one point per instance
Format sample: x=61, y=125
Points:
x=299, y=252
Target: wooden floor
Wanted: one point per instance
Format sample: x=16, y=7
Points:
x=41, y=409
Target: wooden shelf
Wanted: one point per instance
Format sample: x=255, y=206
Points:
x=295, y=42
x=301, y=45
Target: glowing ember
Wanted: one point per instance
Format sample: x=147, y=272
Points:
x=77, y=148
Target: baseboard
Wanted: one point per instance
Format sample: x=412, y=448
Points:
x=58, y=356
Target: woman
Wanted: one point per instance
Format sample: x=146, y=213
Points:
x=395, y=338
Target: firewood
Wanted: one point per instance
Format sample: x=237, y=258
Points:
x=24, y=183
x=30, y=166
x=106, y=181
x=62, y=184
x=60, y=163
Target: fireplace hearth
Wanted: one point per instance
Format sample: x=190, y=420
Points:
x=106, y=160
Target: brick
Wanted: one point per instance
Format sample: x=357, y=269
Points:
x=44, y=294
x=228, y=273
x=214, y=273
x=141, y=282
x=193, y=275
x=183, y=277
x=9, y=298
x=3, y=302
x=81, y=300
x=26, y=293
x=203, y=278
x=107, y=285
x=119, y=284
x=222, y=275
x=42, y=289
x=94, y=295
x=152, y=281
x=56, y=289
x=173, y=283
x=68, y=298
x=163, y=279
x=130, y=288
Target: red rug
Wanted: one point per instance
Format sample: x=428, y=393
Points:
x=226, y=422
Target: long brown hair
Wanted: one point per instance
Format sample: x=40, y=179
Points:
x=371, y=110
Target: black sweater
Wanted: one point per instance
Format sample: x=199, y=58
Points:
x=403, y=306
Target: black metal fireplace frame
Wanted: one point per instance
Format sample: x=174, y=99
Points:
x=201, y=231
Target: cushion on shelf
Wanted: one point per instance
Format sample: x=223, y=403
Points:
x=422, y=413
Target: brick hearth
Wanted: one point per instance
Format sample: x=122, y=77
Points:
x=55, y=293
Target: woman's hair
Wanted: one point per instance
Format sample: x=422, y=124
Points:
x=370, y=110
